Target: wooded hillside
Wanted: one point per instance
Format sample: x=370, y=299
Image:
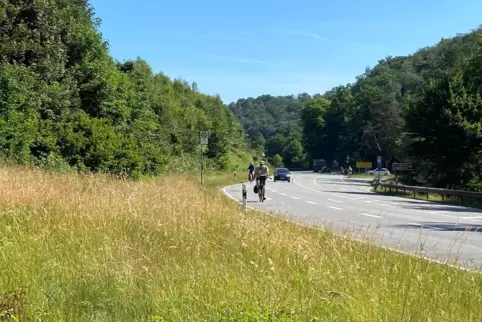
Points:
x=425, y=108
x=65, y=102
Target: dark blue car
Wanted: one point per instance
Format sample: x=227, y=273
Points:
x=282, y=174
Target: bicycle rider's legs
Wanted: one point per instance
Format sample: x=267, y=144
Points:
x=262, y=182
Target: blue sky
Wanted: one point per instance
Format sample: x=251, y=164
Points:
x=249, y=48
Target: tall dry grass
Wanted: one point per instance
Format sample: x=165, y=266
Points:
x=92, y=248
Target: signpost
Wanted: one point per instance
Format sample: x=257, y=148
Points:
x=379, y=165
x=363, y=165
x=203, y=137
x=245, y=197
x=403, y=167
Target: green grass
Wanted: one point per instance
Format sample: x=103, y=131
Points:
x=450, y=200
x=362, y=175
x=91, y=248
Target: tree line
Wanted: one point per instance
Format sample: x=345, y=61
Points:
x=425, y=108
x=65, y=102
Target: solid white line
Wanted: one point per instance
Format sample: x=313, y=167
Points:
x=311, y=202
x=369, y=215
x=335, y=200
x=316, y=183
x=333, y=207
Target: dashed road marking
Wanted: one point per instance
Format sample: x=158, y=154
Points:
x=369, y=215
x=311, y=202
x=333, y=207
x=296, y=198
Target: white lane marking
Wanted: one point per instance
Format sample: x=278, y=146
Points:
x=275, y=191
x=296, y=198
x=333, y=207
x=316, y=183
x=268, y=198
x=299, y=185
x=476, y=217
x=311, y=202
x=335, y=200
x=369, y=215
x=283, y=194
x=363, y=241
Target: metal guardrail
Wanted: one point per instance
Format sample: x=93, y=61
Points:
x=426, y=190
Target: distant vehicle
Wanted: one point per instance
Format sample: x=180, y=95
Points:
x=381, y=171
x=318, y=164
x=282, y=174
x=325, y=169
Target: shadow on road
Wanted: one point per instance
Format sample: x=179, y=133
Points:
x=442, y=226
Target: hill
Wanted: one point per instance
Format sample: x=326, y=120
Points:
x=66, y=103
x=422, y=108
x=273, y=125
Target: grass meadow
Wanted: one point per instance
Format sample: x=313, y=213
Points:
x=93, y=248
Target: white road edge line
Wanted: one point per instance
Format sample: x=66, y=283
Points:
x=357, y=239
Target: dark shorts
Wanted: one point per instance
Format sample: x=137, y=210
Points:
x=262, y=180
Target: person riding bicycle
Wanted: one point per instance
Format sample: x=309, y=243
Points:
x=261, y=174
x=251, y=169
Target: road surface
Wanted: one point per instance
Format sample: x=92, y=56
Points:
x=437, y=231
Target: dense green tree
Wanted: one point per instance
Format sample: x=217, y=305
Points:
x=62, y=97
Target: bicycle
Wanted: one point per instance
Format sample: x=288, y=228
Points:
x=250, y=176
x=261, y=189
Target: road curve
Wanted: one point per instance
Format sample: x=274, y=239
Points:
x=436, y=231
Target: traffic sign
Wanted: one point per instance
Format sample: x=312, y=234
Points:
x=363, y=165
x=203, y=135
x=402, y=166
x=379, y=159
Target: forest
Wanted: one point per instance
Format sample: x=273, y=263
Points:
x=425, y=109
x=66, y=103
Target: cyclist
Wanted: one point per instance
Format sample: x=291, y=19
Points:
x=262, y=173
x=251, y=171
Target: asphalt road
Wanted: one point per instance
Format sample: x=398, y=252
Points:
x=436, y=231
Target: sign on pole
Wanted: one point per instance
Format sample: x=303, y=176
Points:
x=379, y=159
x=244, y=196
x=203, y=135
x=363, y=165
x=402, y=166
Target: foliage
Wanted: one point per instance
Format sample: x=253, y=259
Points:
x=422, y=108
x=64, y=99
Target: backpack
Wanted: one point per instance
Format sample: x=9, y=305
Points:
x=256, y=189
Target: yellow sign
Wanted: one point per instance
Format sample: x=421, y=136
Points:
x=363, y=165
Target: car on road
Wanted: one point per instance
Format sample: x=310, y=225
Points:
x=325, y=169
x=381, y=171
x=282, y=174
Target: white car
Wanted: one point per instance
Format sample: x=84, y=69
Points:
x=381, y=171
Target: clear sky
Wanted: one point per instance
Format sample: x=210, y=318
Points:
x=248, y=48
